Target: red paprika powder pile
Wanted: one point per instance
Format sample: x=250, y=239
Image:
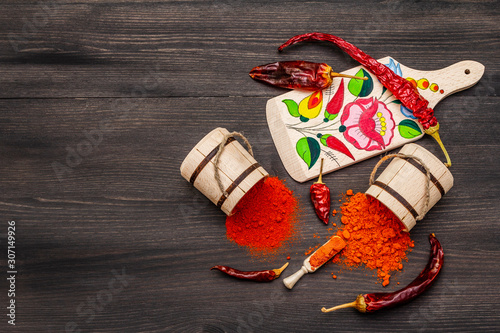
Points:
x=374, y=236
x=265, y=218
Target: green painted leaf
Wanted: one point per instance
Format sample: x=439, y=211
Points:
x=355, y=85
x=367, y=86
x=309, y=150
x=384, y=89
x=323, y=139
x=330, y=116
x=361, y=88
x=396, y=101
x=409, y=129
x=292, y=106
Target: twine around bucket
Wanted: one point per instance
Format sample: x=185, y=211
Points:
x=406, y=157
x=222, y=145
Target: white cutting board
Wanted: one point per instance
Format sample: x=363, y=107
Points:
x=353, y=120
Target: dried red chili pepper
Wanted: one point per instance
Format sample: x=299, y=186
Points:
x=320, y=197
x=378, y=301
x=259, y=276
x=401, y=88
x=297, y=74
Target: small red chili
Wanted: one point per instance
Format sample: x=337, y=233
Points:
x=259, y=276
x=297, y=75
x=401, y=88
x=377, y=301
x=320, y=197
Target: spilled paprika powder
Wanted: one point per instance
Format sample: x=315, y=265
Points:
x=374, y=236
x=265, y=218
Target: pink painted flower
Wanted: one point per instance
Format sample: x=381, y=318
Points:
x=367, y=124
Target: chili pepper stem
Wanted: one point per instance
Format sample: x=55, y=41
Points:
x=359, y=304
x=280, y=270
x=434, y=132
x=320, y=178
x=343, y=306
x=333, y=74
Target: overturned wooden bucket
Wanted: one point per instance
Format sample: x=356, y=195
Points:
x=404, y=185
x=238, y=170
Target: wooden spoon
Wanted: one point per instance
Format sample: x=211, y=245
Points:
x=327, y=251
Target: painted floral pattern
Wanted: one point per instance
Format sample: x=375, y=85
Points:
x=368, y=124
x=396, y=68
x=354, y=120
x=308, y=108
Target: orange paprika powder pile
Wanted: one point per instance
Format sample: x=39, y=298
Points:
x=374, y=236
x=265, y=218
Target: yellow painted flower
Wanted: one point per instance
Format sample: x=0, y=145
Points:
x=310, y=107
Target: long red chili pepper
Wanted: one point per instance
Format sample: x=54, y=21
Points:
x=378, y=301
x=259, y=276
x=320, y=197
x=401, y=88
x=297, y=74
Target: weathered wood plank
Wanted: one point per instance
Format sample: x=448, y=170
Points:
x=106, y=49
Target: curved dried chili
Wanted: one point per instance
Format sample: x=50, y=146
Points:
x=401, y=88
x=320, y=197
x=377, y=301
x=259, y=276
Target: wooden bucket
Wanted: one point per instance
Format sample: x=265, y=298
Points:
x=402, y=186
x=239, y=171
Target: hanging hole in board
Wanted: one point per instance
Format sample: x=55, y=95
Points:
x=467, y=71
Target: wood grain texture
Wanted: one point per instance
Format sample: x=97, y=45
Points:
x=146, y=80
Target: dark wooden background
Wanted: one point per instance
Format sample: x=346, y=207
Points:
x=148, y=79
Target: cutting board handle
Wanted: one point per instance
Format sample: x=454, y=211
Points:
x=457, y=77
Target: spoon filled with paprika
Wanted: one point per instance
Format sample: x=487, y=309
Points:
x=316, y=260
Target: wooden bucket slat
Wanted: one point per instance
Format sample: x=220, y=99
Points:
x=232, y=201
x=207, y=185
x=252, y=179
x=208, y=143
x=411, y=187
x=188, y=166
x=446, y=182
x=404, y=192
x=233, y=162
x=394, y=205
x=388, y=175
x=199, y=153
x=211, y=140
x=239, y=171
x=431, y=161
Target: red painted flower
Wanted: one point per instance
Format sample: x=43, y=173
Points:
x=367, y=124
